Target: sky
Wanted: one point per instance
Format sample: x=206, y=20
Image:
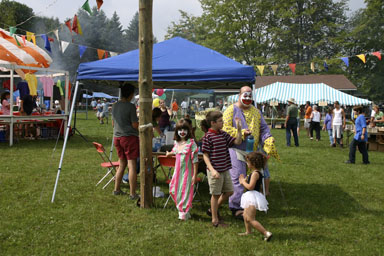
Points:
x=164, y=11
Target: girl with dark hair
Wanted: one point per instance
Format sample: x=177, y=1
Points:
x=184, y=177
x=5, y=107
x=253, y=199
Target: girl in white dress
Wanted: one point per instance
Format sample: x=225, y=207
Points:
x=253, y=200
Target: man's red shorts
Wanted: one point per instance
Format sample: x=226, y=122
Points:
x=127, y=147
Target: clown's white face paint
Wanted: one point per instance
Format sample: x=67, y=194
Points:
x=246, y=99
x=182, y=133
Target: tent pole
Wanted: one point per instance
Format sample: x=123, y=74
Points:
x=65, y=139
x=11, y=109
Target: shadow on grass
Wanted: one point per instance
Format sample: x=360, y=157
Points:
x=314, y=202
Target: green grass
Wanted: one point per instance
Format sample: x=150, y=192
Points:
x=318, y=205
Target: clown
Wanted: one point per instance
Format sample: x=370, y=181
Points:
x=253, y=124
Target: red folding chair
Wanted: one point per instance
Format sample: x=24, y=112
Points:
x=107, y=163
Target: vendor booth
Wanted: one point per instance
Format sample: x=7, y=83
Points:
x=21, y=60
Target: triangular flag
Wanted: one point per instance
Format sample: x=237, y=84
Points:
x=29, y=35
x=50, y=39
x=313, y=67
x=82, y=49
x=87, y=7
x=33, y=39
x=346, y=60
x=293, y=67
x=325, y=66
x=12, y=30
x=100, y=53
x=74, y=25
x=377, y=54
x=261, y=69
x=47, y=45
x=17, y=41
x=64, y=46
x=113, y=53
x=274, y=68
x=23, y=37
x=99, y=4
x=69, y=26
x=106, y=54
x=56, y=32
x=362, y=57
x=79, y=28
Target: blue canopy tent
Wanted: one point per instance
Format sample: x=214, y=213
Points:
x=177, y=63
x=99, y=95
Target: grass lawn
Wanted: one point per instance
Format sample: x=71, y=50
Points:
x=318, y=205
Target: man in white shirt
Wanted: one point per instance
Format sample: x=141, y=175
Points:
x=184, y=107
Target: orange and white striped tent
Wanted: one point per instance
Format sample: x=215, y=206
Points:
x=24, y=55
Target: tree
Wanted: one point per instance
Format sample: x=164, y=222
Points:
x=132, y=32
x=13, y=13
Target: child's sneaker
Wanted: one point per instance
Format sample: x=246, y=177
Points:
x=267, y=236
x=119, y=193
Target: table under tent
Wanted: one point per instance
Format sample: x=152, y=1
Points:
x=17, y=59
x=176, y=64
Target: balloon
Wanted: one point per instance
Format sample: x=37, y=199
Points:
x=163, y=97
x=156, y=102
x=160, y=92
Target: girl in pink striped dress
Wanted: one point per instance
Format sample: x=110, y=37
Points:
x=184, y=177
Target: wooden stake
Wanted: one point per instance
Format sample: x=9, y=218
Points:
x=145, y=99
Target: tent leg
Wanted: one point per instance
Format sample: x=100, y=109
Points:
x=65, y=140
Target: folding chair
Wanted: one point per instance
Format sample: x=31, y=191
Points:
x=167, y=161
x=107, y=163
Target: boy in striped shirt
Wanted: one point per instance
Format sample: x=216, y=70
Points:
x=216, y=156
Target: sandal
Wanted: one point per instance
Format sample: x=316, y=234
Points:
x=209, y=213
x=220, y=224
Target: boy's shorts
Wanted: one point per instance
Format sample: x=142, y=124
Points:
x=127, y=147
x=220, y=185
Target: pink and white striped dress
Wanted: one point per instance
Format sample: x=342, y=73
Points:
x=181, y=188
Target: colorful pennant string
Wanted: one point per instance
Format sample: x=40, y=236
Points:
x=377, y=54
x=292, y=66
x=99, y=4
x=362, y=57
x=346, y=60
x=86, y=7
x=261, y=69
x=82, y=49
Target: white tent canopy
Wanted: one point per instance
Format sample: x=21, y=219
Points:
x=302, y=93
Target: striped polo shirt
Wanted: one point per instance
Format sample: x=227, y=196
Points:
x=216, y=144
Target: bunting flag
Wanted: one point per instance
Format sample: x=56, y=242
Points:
x=106, y=54
x=325, y=66
x=33, y=37
x=12, y=30
x=274, y=68
x=377, y=54
x=82, y=49
x=99, y=4
x=100, y=53
x=313, y=67
x=68, y=24
x=24, y=43
x=79, y=28
x=86, y=7
x=29, y=36
x=56, y=32
x=17, y=41
x=346, y=60
x=47, y=45
x=50, y=39
x=362, y=57
x=74, y=25
x=64, y=46
x=261, y=69
x=113, y=53
x=292, y=67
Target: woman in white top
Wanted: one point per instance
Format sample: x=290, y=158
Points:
x=338, y=124
x=315, y=123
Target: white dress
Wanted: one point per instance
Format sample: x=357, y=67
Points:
x=254, y=198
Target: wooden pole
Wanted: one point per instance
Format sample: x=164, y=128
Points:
x=145, y=99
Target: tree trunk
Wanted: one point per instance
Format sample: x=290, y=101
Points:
x=145, y=94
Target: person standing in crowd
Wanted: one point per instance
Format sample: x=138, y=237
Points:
x=315, y=123
x=253, y=123
x=5, y=106
x=291, y=122
x=328, y=125
x=175, y=108
x=307, y=117
x=360, y=139
x=99, y=113
x=338, y=124
x=184, y=107
x=378, y=119
x=298, y=120
x=126, y=139
x=164, y=123
x=105, y=112
x=93, y=104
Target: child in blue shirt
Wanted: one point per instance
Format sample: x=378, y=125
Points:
x=360, y=139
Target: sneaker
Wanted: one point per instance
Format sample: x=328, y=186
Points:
x=334, y=145
x=311, y=138
x=119, y=193
x=267, y=236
